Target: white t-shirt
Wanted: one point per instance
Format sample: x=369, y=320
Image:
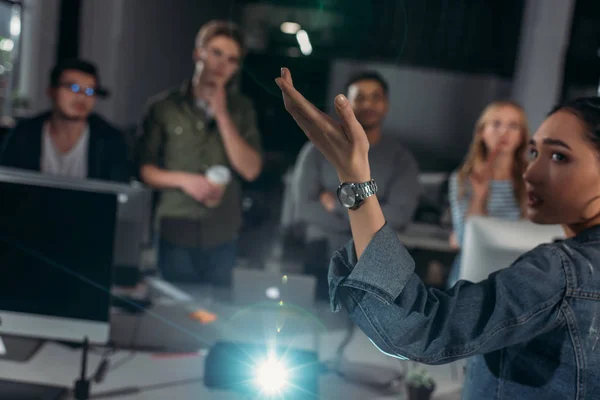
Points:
x=73, y=163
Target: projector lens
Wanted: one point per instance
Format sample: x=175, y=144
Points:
x=271, y=376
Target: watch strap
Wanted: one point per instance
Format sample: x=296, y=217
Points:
x=362, y=191
x=366, y=189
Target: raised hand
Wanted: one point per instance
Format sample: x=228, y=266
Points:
x=216, y=97
x=480, y=179
x=344, y=144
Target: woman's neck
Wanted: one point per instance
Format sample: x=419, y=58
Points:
x=586, y=223
x=503, y=167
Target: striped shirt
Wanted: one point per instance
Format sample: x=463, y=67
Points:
x=501, y=204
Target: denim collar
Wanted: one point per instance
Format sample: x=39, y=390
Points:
x=589, y=235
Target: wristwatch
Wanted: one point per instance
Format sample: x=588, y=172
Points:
x=353, y=195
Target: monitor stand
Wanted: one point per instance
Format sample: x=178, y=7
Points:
x=19, y=349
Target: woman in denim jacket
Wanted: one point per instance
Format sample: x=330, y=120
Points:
x=537, y=323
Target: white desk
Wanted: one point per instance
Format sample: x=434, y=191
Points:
x=181, y=376
x=426, y=237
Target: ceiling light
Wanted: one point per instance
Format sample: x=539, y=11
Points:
x=304, y=42
x=291, y=28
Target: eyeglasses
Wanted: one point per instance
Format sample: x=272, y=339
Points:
x=75, y=88
x=218, y=53
x=512, y=126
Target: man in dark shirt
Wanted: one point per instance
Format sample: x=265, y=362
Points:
x=70, y=140
x=204, y=123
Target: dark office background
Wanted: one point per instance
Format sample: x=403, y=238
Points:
x=444, y=59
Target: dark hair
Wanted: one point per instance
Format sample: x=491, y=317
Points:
x=367, y=76
x=215, y=28
x=587, y=109
x=76, y=64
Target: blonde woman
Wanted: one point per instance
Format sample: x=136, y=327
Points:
x=490, y=180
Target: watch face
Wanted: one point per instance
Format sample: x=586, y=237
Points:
x=347, y=196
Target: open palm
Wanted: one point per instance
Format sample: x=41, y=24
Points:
x=344, y=144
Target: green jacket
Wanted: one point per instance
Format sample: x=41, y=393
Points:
x=176, y=135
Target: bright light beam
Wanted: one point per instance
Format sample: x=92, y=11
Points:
x=271, y=376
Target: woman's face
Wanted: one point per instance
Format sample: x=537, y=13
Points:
x=503, y=130
x=563, y=176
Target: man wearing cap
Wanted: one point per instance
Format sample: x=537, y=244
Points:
x=186, y=133
x=69, y=140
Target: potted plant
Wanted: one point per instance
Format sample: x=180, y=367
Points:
x=419, y=384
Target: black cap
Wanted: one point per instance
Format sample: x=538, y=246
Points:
x=78, y=65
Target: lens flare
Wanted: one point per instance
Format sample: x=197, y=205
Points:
x=271, y=376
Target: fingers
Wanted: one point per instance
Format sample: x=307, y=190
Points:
x=476, y=178
x=287, y=75
x=494, y=154
x=488, y=169
x=352, y=128
x=295, y=103
x=289, y=91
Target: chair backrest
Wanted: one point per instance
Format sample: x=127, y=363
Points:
x=491, y=244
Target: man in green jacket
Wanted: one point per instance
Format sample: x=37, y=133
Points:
x=204, y=123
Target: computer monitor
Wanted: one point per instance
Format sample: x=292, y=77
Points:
x=59, y=241
x=491, y=244
x=133, y=230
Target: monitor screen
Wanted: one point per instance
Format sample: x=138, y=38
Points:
x=132, y=232
x=56, y=255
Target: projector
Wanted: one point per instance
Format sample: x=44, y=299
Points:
x=262, y=370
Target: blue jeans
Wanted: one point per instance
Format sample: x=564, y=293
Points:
x=191, y=264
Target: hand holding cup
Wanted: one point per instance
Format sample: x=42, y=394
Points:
x=219, y=176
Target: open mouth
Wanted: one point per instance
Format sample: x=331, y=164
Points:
x=533, y=200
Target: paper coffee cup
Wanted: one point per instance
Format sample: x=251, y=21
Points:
x=217, y=175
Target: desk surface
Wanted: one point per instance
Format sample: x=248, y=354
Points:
x=426, y=237
x=168, y=327
x=148, y=376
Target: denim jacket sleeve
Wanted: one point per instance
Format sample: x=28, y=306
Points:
x=403, y=318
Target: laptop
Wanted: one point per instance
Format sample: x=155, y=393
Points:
x=254, y=286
